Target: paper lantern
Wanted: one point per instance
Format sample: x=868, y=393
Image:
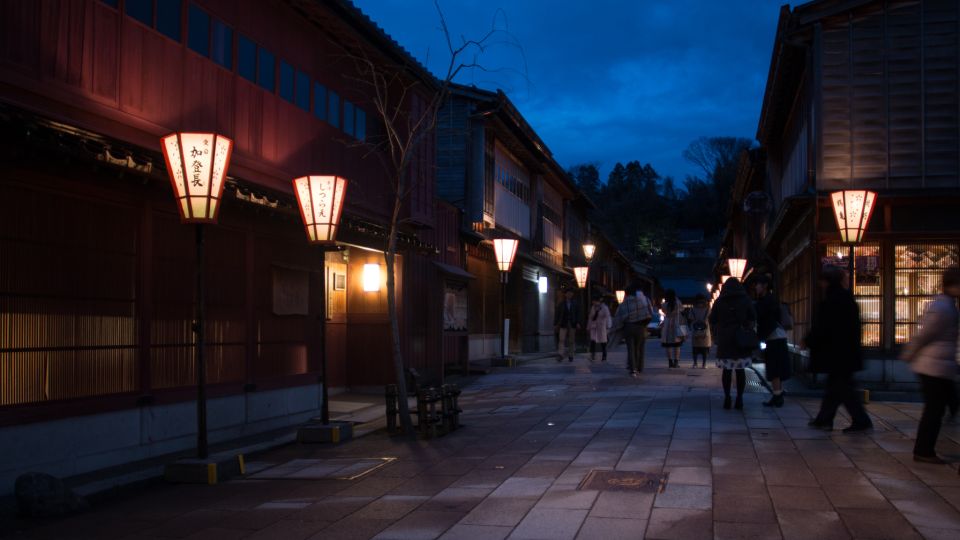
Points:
x=580, y=272
x=505, y=249
x=852, y=210
x=588, y=251
x=737, y=266
x=320, y=199
x=197, y=165
x=620, y=296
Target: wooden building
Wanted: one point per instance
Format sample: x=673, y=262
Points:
x=96, y=271
x=860, y=95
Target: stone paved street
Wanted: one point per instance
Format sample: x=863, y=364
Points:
x=531, y=435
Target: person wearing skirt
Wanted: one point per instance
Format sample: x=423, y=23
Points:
x=671, y=337
x=598, y=324
x=732, y=312
x=776, y=357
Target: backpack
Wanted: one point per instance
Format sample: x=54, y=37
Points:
x=699, y=327
x=786, y=319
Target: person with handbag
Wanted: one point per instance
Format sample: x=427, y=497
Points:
x=834, y=343
x=770, y=329
x=732, y=322
x=598, y=323
x=932, y=354
x=631, y=319
x=671, y=333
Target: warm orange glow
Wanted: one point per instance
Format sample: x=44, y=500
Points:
x=197, y=165
x=505, y=250
x=852, y=210
x=589, y=250
x=620, y=296
x=371, y=277
x=737, y=266
x=580, y=272
x=320, y=199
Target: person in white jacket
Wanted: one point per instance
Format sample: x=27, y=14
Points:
x=599, y=322
x=932, y=354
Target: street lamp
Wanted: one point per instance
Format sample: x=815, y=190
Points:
x=620, y=296
x=737, y=266
x=588, y=250
x=852, y=209
x=197, y=165
x=580, y=273
x=709, y=287
x=320, y=199
x=505, y=250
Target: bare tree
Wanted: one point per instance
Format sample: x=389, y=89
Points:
x=406, y=105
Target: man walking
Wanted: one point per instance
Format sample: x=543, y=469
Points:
x=566, y=321
x=632, y=316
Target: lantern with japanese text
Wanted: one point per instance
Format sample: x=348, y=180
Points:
x=581, y=272
x=197, y=165
x=852, y=210
x=320, y=199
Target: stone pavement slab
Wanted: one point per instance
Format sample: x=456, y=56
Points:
x=532, y=433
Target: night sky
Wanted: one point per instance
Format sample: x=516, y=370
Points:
x=608, y=80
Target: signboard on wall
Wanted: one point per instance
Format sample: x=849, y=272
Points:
x=455, y=307
x=291, y=291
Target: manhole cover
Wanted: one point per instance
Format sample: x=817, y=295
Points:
x=321, y=469
x=624, y=481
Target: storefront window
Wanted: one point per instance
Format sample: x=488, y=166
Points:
x=867, y=285
x=919, y=272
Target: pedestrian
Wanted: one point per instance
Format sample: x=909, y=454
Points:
x=631, y=318
x=732, y=321
x=598, y=323
x=932, y=354
x=566, y=321
x=671, y=337
x=834, y=343
x=699, y=329
x=776, y=357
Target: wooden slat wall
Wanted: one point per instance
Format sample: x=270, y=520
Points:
x=890, y=106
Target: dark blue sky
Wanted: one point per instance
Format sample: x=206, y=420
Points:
x=607, y=80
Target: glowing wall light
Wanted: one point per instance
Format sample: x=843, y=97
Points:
x=371, y=277
x=197, y=165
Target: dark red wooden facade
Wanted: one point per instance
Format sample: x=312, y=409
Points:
x=96, y=270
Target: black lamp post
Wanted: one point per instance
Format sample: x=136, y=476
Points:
x=505, y=250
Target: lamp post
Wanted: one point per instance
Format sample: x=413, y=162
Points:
x=320, y=199
x=737, y=266
x=581, y=273
x=505, y=250
x=197, y=166
x=589, y=249
x=852, y=209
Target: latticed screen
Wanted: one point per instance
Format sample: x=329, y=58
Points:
x=918, y=274
x=867, y=285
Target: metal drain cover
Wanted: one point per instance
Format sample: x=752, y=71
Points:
x=624, y=481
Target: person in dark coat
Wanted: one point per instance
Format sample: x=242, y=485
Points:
x=932, y=354
x=834, y=343
x=775, y=356
x=566, y=321
x=732, y=314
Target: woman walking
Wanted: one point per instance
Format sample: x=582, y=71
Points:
x=732, y=320
x=834, y=341
x=598, y=323
x=670, y=337
x=700, y=329
x=770, y=329
x=932, y=356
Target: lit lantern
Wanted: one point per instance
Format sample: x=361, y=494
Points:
x=709, y=287
x=371, y=277
x=588, y=250
x=620, y=296
x=197, y=164
x=580, y=272
x=852, y=209
x=505, y=250
x=737, y=266
x=321, y=202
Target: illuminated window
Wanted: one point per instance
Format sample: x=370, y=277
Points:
x=868, y=286
x=917, y=278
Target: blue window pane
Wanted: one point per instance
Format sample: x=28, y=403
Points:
x=333, y=110
x=267, y=70
x=198, y=36
x=246, y=58
x=286, y=81
x=168, y=18
x=361, y=130
x=347, y=117
x=141, y=10
x=111, y=3
x=222, y=44
x=320, y=101
x=303, y=91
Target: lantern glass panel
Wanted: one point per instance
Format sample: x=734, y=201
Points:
x=505, y=249
x=620, y=296
x=581, y=272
